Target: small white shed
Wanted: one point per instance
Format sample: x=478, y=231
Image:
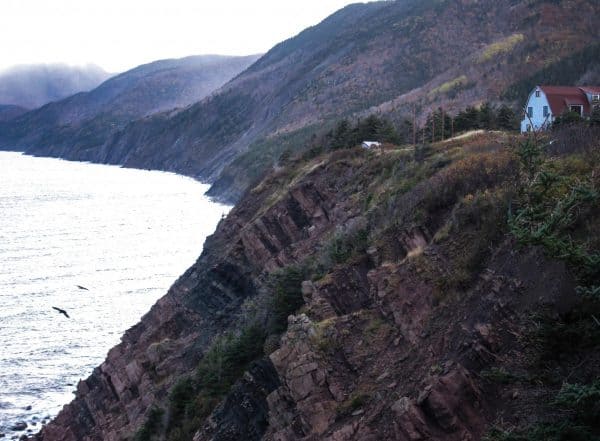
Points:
x=370, y=144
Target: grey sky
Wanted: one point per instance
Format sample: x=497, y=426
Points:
x=120, y=34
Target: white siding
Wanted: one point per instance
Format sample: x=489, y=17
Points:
x=537, y=105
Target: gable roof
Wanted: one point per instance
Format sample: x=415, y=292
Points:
x=591, y=89
x=561, y=97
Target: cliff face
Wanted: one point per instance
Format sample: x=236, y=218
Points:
x=421, y=314
x=168, y=343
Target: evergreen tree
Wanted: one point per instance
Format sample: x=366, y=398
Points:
x=434, y=126
x=487, y=117
x=595, y=117
x=466, y=120
x=507, y=119
x=386, y=132
x=341, y=135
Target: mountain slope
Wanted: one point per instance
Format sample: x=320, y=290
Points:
x=33, y=86
x=86, y=120
x=377, y=57
x=9, y=111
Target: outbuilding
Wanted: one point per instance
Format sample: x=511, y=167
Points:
x=370, y=144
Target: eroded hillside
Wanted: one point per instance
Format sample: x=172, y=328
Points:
x=442, y=292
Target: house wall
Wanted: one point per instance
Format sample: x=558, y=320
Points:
x=538, y=119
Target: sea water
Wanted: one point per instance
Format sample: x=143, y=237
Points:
x=124, y=235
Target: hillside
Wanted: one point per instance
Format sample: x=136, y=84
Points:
x=85, y=121
x=32, y=86
x=443, y=293
x=377, y=57
x=9, y=111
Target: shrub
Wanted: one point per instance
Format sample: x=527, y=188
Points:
x=192, y=399
x=584, y=400
x=550, y=205
x=287, y=296
x=343, y=246
x=152, y=426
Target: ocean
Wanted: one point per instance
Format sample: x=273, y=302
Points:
x=102, y=243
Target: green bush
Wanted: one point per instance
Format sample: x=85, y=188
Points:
x=562, y=431
x=192, y=399
x=152, y=426
x=287, y=296
x=584, y=400
x=581, y=402
x=550, y=205
x=343, y=246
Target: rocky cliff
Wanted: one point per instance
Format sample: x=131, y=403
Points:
x=360, y=295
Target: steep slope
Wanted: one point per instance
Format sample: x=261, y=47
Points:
x=418, y=311
x=33, y=86
x=86, y=120
x=381, y=57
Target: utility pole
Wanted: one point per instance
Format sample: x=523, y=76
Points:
x=443, y=124
x=414, y=124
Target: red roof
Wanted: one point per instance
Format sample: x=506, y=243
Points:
x=591, y=89
x=561, y=97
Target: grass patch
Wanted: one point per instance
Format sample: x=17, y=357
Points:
x=500, y=47
x=501, y=376
x=355, y=402
x=449, y=86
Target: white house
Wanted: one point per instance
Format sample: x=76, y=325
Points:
x=370, y=144
x=545, y=103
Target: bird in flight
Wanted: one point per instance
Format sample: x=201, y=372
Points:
x=82, y=287
x=62, y=311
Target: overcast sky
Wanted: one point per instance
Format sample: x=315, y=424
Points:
x=120, y=34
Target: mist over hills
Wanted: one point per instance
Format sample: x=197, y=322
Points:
x=32, y=86
x=384, y=57
x=84, y=121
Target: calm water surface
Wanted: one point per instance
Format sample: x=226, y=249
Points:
x=125, y=235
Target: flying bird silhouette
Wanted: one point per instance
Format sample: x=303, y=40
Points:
x=62, y=311
x=82, y=287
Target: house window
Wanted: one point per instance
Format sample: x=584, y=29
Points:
x=537, y=93
x=577, y=109
x=546, y=113
x=530, y=112
x=596, y=97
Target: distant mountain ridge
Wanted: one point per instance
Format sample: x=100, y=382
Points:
x=391, y=58
x=87, y=120
x=32, y=86
x=9, y=111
